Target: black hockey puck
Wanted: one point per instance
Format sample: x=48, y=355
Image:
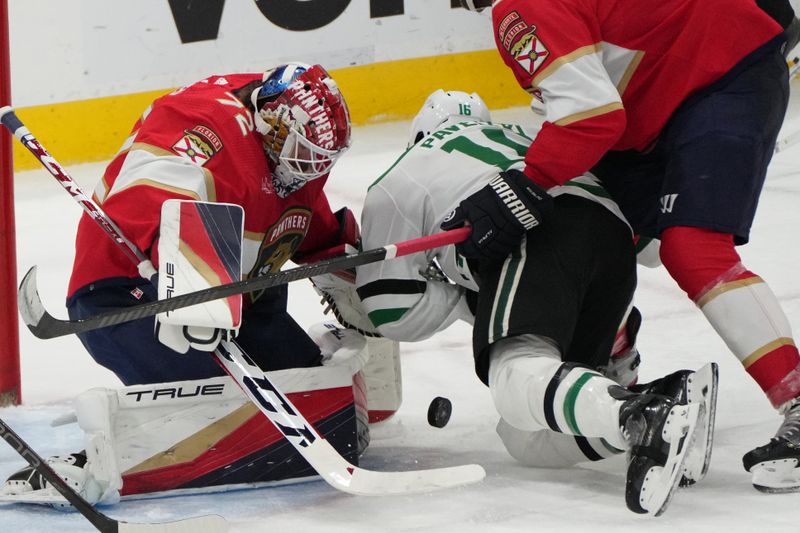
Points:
x=439, y=412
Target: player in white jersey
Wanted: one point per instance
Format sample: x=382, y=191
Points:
x=545, y=319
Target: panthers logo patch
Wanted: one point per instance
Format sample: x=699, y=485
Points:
x=280, y=242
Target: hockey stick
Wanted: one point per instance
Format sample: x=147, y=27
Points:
x=45, y=326
x=106, y=524
x=317, y=451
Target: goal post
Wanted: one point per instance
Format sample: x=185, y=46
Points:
x=10, y=393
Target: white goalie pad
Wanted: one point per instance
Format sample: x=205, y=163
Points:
x=383, y=378
x=200, y=246
x=149, y=439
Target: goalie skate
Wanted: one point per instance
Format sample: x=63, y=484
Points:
x=27, y=479
x=27, y=485
x=660, y=432
x=776, y=465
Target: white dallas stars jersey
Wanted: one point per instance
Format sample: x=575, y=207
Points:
x=411, y=200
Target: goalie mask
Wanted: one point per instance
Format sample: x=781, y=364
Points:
x=440, y=106
x=304, y=123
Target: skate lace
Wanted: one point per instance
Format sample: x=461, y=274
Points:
x=790, y=428
x=633, y=430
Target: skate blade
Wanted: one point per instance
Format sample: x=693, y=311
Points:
x=37, y=497
x=702, y=389
x=660, y=483
x=777, y=477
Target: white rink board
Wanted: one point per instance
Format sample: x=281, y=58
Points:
x=81, y=49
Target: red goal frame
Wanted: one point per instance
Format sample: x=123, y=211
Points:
x=10, y=391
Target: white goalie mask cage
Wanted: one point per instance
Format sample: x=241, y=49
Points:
x=304, y=123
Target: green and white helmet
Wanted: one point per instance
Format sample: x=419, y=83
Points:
x=442, y=105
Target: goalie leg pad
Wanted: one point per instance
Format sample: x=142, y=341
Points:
x=217, y=438
x=383, y=378
x=205, y=436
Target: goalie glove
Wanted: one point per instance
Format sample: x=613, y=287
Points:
x=342, y=347
x=341, y=299
x=346, y=241
x=200, y=247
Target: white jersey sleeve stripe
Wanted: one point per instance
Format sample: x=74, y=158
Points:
x=146, y=165
x=580, y=86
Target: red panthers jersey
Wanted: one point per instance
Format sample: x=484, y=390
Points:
x=612, y=72
x=199, y=143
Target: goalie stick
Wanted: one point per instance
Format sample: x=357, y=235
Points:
x=45, y=326
x=286, y=418
x=106, y=524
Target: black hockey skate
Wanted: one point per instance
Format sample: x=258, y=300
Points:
x=660, y=432
x=776, y=465
x=700, y=387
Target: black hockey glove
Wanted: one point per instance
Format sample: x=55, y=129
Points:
x=500, y=214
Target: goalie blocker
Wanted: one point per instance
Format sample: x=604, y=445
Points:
x=200, y=247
